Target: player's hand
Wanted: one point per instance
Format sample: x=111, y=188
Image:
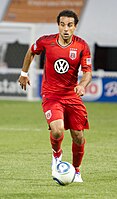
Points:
x=23, y=82
x=79, y=90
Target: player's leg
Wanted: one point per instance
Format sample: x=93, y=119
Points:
x=56, y=136
x=78, y=142
x=76, y=121
x=54, y=115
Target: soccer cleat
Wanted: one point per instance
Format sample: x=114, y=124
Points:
x=78, y=177
x=55, y=161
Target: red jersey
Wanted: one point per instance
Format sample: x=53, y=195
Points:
x=62, y=64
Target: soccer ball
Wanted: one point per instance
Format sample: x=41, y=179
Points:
x=64, y=173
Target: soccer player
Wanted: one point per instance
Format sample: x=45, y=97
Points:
x=61, y=92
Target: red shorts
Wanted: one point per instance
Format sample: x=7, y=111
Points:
x=71, y=111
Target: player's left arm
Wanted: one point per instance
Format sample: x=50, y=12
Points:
x=86, y=67
x=85, y=80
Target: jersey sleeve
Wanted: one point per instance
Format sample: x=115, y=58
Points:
x=38, y=46
x=86, y=65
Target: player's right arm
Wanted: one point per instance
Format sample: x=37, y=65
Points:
x=24, y=79
x=36, y=48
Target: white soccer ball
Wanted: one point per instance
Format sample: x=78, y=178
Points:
x=64, y=173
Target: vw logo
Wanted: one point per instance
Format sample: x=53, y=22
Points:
x=61, y=66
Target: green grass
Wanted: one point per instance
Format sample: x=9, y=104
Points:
x=25, y=154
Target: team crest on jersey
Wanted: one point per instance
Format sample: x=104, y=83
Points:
x=48, y=114
x=73, y=53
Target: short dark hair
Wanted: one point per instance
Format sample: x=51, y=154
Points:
x=68, y=13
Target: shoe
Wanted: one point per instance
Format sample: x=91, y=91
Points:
x=78, y=177
x=55, y=161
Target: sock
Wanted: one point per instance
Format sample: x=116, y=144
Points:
x=56, y=145
x=78, y=153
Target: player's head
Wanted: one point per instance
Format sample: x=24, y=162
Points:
x=67, y=21
x=68, y=13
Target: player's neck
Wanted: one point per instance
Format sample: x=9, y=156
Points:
x=64, y=42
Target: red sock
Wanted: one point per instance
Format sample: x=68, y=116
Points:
x=56, y=145
x=78, y=153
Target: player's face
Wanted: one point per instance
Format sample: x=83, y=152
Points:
x=66, y=28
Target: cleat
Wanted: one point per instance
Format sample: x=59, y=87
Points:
x=78, y=177
x=55, y=161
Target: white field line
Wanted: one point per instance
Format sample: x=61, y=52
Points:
x=19, y=129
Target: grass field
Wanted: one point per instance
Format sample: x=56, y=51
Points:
x=25, y=154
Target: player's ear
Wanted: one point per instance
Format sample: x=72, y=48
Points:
x=76, y=25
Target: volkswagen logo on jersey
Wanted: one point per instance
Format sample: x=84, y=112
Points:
x=61, y=66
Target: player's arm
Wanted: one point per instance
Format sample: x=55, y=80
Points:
x=86, y=67
x=24, y=79
x=85, y=80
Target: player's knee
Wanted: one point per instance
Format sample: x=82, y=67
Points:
x=57, y=131
x=78, y=137
x=57, y=128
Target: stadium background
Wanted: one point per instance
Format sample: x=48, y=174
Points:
x=23, y=21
